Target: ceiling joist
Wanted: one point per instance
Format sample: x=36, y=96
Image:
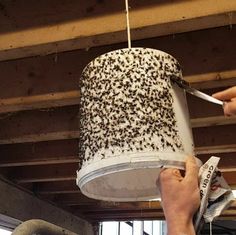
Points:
x=67, y=172
x=68, y=98
x=62, y=123
x=43, y=82
x=153, y=20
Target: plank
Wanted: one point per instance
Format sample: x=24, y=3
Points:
x=121, y=206
x=230, y=148
x=62, y=172
x=212, y=121
x=46, y=161
x=41, y=153
x=44, y=82
x=27, y=174
x=227, y=160
x=63, y=123
x=128, y=212
x=125, y=206
x=43, y=101
x=207, y=77
x=58, y=187
x=157, y=19
x=214, y=135
x=21, y=205
x=73, y=199
x=44, y=75
x=68, y=98
x=57, y=135
x=222, y=83
x=227, y=163
x=151, y=214
x=53, y=124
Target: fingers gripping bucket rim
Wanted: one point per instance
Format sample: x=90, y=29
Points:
x=133, y=122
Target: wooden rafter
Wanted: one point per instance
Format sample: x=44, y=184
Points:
x=42, y=82
x=22, y=205
x=68, y=98
x=62, y=123
x=43, y=101
x=229, y=148
x=125, y=211
x=42, y=153
x=212, y=121
x=57, y=172
x=154, y=20
x=65, y=172
x=58, y=187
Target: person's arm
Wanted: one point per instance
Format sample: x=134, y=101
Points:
x=228, y=95
x=180, y=198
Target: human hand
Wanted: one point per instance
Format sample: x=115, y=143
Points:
x=180, y=197
x=228, y=95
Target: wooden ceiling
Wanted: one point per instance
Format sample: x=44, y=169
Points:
x=43, y=49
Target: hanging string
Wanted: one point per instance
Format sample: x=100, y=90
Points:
x=210, y=228
x=127, y=22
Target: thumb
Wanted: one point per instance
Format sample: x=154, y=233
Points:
x=192, y=170
x=230, y=108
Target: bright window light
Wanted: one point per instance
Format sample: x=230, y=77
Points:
x=5, y=232
x=110, y=228
x=132, y=228
x=148, y=227
x=125, y=228
x=234, y=193
x=138, y=225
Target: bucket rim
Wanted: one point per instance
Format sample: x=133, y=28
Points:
x=129, y=49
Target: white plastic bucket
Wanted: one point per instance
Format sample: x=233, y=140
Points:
x=133, y=122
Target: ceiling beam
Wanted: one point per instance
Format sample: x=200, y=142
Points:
x=63, y=172
x=131, y=211
x=132, y=214
x=43, y=82
x=152, y=20
x=44, y=101
x=58, y=187
x=51, y=173
x=41, y=153
x=62, y=123
x=44, y=178
x=227, y=163
x=125, y=206
x=227, y=160
x=124, y=216
x=22, y=205
x=65, y=151
x=48, y=136
x=228, y=148
x=68, y=98
x=46, y=161
x=54, y=124
x=213, y=76
x=212, y=121
x=215, y=83
x=113, y=206
x=209, y=136
x=73, y=198
x=60, y=159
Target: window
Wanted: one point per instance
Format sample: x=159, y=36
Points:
x=5, y=232
x=133, y=228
